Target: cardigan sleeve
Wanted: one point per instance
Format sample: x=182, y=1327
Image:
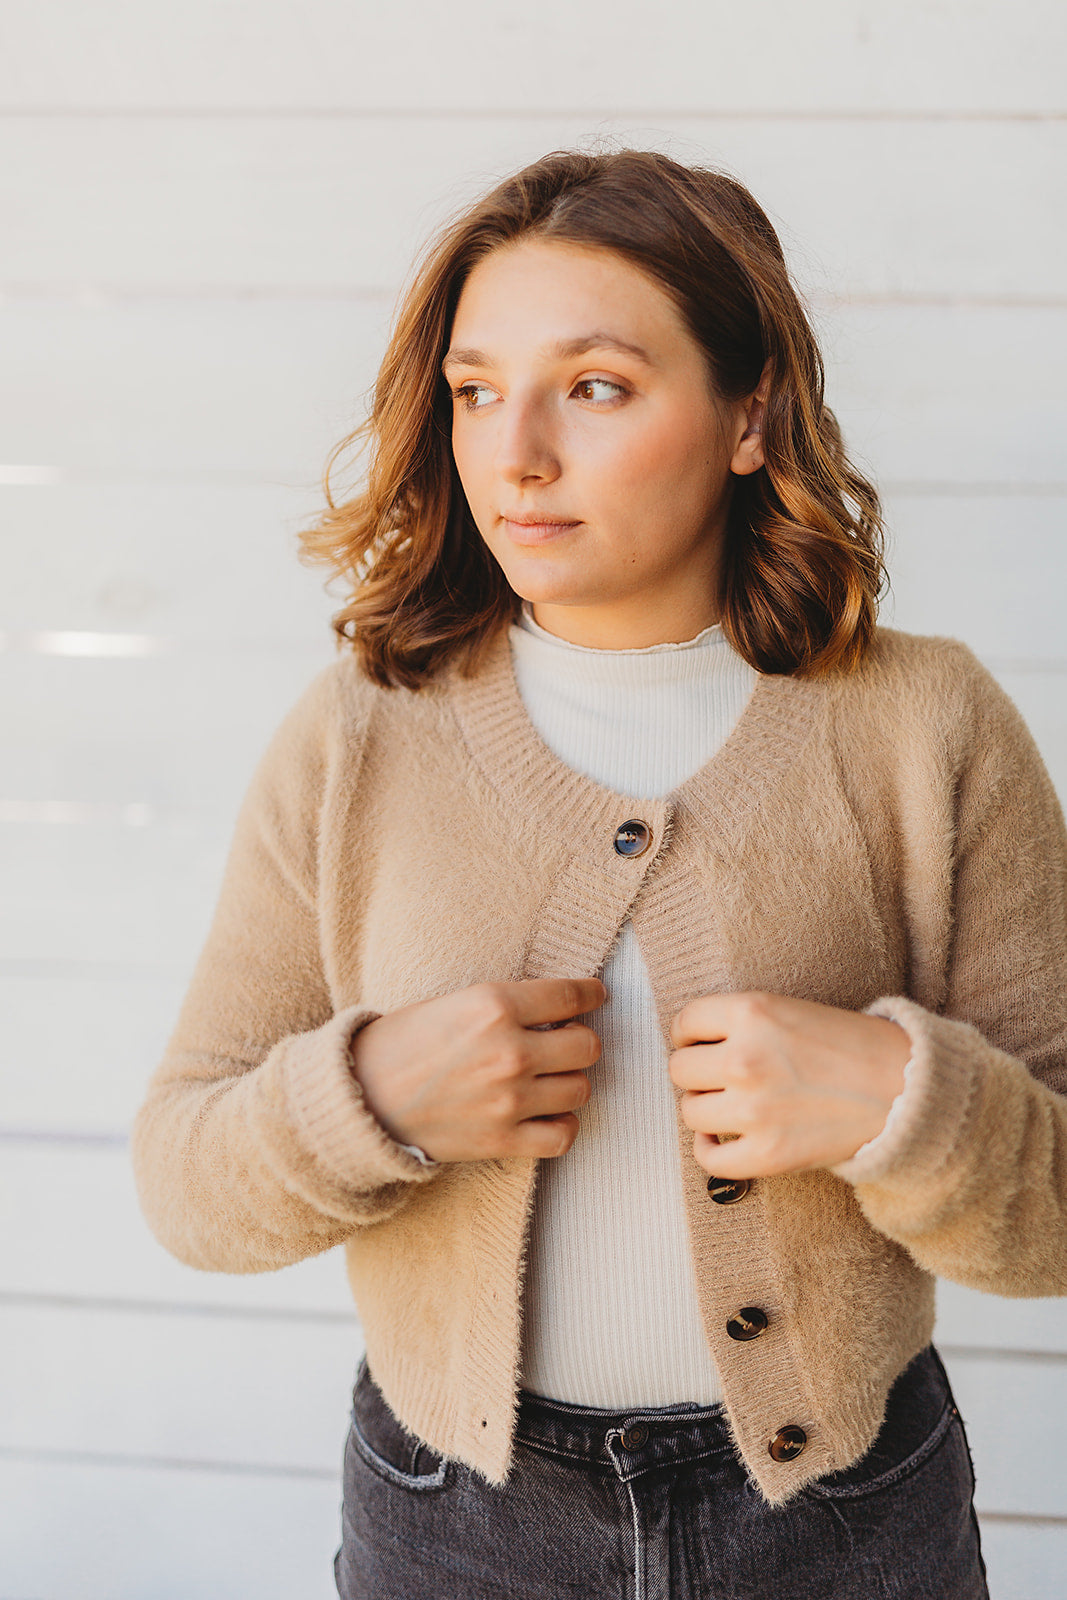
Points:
x=971, y=1175
x=253, y=1147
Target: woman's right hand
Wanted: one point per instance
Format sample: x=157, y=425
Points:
x=477, y=1074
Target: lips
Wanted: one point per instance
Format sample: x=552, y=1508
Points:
x=529, y=529
x=540, y=519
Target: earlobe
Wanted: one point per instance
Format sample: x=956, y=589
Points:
x=748, y=457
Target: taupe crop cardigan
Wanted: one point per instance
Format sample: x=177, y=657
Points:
x=887, y=840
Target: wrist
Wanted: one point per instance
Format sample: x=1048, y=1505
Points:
x=892, y=1060
x=412, y=1150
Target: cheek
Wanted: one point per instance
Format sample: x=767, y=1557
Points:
x=474, y=468
x=474, y=448
x=464, y=459
x=669, y=460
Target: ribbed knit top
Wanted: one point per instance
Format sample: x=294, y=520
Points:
x=611, y=1312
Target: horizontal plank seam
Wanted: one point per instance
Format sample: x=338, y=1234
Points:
x=996, y=1352
x=93, y=1458
x=1024, y=1518
x=103, y=1140
x=21, y=1300
x=98, y=292
x=969, y=489
x=87, y=971
x=598, y=115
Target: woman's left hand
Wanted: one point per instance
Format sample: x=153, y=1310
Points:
x=798, y=1083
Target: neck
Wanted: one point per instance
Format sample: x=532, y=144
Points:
x=635, y=628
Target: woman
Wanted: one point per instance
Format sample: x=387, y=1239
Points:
x=652, y=971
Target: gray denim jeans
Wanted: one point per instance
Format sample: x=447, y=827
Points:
x=655, y=1505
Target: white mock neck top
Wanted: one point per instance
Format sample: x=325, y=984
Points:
x=610, y=1310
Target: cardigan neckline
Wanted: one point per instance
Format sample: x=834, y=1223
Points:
x=778, y=719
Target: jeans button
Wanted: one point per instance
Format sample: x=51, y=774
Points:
x=633, y=1438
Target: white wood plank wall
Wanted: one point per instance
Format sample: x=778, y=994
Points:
x=207, y=212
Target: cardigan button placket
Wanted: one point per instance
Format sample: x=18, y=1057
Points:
x=725, y=1191
x=787, y=1444
x=748, y=1323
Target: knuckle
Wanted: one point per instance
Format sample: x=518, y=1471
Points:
x=502, y=1107
x=509, y=1063
x=744, y=1067
x=695, y=1109
x=679, y=1024
x=492, y=1003
x=757, y=1111
x=751, y=1006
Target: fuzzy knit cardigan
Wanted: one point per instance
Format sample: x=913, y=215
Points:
x=885, y=840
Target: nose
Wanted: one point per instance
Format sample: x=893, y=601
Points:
x=526, y=447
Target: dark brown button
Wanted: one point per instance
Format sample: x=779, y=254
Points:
x=748, y=1323
x=633, y=1438
x=633, y=838
x=787, y=1444
x=724, y=1191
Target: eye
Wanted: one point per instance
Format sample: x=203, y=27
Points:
x=467, y=394
x=597, y=383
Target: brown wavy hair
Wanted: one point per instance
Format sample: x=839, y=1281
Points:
x=802, y=569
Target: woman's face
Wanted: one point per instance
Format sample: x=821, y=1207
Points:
x=595, y=458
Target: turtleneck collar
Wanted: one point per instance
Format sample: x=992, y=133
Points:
x=706, y=658
x=638, y=721
x=528, y=625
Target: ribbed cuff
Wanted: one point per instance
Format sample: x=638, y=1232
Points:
x=332, y=1115
x=927, y=1118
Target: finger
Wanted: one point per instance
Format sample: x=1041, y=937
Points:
x=710, y=1113
x=698, y=1067
x=544, y=1138
x=540, y=1000
x=732, y=1159
x=570, y=1047
x=556, y=1093
x=705, y=1020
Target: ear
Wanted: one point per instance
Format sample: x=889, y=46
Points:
x=748, y=453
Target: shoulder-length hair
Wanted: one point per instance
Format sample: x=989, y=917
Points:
x=802, y=569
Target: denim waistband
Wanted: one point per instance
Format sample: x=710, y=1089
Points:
x=632, y=1441
x=640, y=1437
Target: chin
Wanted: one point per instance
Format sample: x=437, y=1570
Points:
x=546, y=595
x=542, y=590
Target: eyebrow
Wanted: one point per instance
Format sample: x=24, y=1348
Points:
x=565, y=350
